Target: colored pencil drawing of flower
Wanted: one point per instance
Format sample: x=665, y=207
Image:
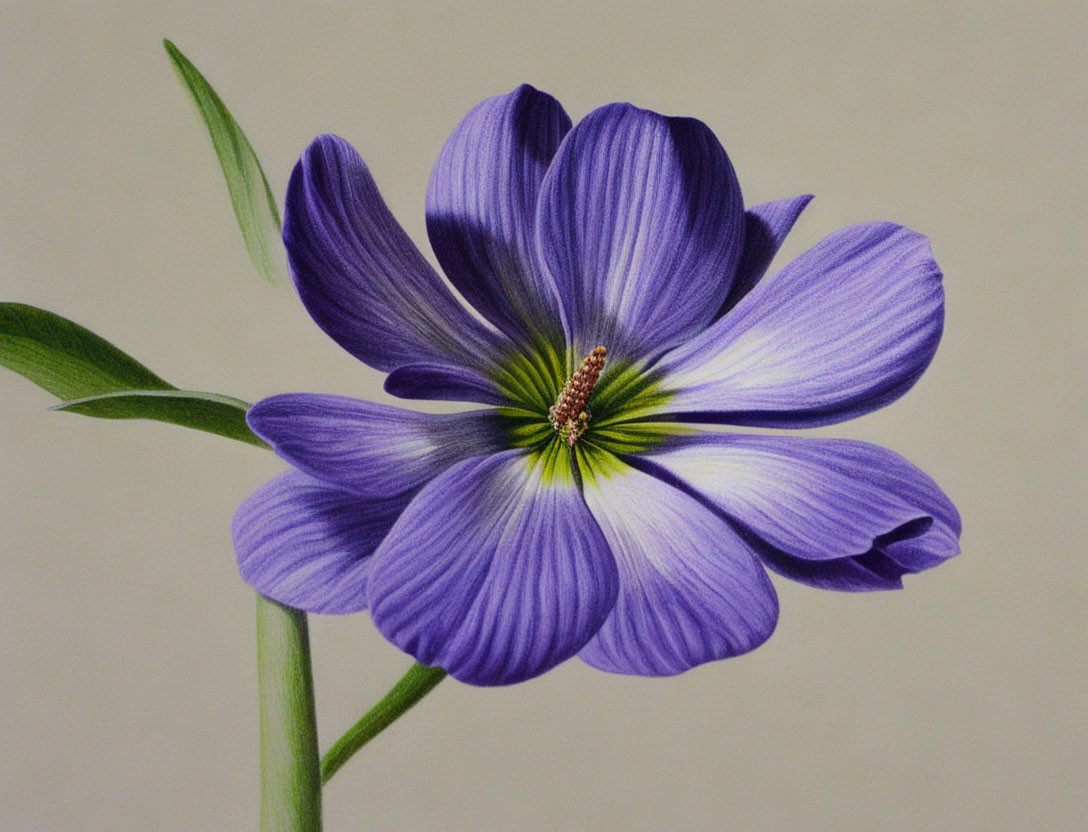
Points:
x=620, y=288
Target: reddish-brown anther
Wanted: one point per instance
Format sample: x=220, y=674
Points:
x=569, y=415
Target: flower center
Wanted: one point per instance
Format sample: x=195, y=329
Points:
x=569, y=415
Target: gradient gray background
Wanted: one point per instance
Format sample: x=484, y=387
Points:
x=128, y=681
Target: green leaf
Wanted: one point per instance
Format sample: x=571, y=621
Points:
x=209, y=412
x=254, y=205
x=71, y=362
x=66, y=359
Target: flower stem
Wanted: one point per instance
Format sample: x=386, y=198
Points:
x=413, y=686
x=290, y=775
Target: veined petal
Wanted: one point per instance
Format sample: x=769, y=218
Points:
x=443, y=382
x=361, y=277
x=529, y=380
x=691, y=590
x=371, y=449
x=496, y=571
x=481, y=210
x=844, y=329
x=765, y=229
x=641, y=225
x=308, y=545
x=820, y=499
x=871, y=572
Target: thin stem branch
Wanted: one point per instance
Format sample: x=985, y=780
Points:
x=413, y=686
x=290, y=773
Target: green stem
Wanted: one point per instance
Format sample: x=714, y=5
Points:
x=413, y=686
x=290, y=775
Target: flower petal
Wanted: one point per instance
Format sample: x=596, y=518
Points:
x=308, y=545
x=641, y=225
x=481, y=210
x=691, y=590
x=443, y=382
x=845, y=328
x=496, y=571
x=765, y=229
x=817, y=499
x=867, y=573
x=360, y=276
x=371, y=449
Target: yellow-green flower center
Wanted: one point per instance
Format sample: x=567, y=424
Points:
x=594, y=410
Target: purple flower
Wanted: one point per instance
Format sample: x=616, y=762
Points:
x=618, y=281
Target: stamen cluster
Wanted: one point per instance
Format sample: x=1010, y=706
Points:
x=569, y=415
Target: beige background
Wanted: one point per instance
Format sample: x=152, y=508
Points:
x=128, y=681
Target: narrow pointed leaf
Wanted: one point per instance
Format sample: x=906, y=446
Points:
x=65, y=358
x=97, y=379
x=254, y=205
x=209, y=412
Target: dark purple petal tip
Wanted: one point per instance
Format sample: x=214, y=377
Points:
x=765, y=229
